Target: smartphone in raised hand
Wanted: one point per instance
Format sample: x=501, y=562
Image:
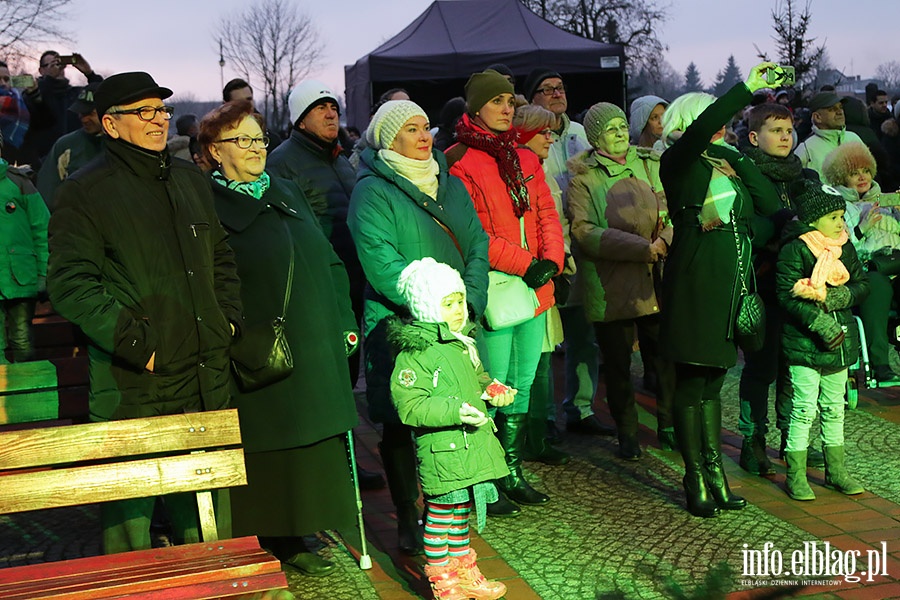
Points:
x=22, y=82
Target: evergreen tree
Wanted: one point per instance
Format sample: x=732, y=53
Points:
x=727, y=77
x=692, y=81
x=795, y=48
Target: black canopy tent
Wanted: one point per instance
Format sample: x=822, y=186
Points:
x=434, y=55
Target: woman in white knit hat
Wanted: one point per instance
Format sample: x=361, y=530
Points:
x=404, y=207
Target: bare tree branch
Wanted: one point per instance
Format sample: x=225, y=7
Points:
x=273, y=45
x=791, y=26
x=26, y=23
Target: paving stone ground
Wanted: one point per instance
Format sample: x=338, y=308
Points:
x=613, y=530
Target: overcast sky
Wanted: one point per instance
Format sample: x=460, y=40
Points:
x=174, y=40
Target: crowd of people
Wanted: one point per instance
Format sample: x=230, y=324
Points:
x=695, y=226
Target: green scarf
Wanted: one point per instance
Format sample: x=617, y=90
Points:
x=720, y=194
x=255, y=188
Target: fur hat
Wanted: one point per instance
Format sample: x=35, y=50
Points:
x=814, y=200
x=598, y=117
x=535, y=79
x=483, y=86
x=845, y=159
x=306, y=95
x=424, y=283
x=387, y=121
x=640, y=113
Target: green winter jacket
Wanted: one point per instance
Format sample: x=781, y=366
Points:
x=432, y=378
x=615, y=211
x=23, y=235
x=800, y=345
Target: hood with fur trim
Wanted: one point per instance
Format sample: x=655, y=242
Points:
x=845, y=159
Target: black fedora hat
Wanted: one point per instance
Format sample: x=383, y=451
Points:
x=124, y=88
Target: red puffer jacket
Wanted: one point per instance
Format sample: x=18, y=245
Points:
x=543, y=232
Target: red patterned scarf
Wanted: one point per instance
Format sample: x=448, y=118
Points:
x=502, y=148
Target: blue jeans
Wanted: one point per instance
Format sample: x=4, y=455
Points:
x=812, y=388
x=512, y=357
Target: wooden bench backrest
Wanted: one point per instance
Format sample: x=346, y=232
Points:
x=118, y=460
x=28, y=392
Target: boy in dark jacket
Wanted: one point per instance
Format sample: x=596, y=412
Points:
x=819, y=278
x=771, y=137
x=439, y=388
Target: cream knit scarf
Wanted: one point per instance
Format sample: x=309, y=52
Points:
x=421, y=173
x=828, y=270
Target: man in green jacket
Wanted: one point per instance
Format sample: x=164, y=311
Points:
x=140, y=262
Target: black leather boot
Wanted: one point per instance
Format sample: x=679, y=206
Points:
x=687, y=432
x=511, y=432
x=503, y=507
x=399, y=458
x=711, y=449
x=754, y=459
x=537, y=446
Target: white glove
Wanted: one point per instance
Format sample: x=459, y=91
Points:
x=470, y=415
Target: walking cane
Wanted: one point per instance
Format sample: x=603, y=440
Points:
x=365, y=561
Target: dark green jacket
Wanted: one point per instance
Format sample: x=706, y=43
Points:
x=81, y=146
x=316, y=401
x=23, y=236
x=433, y=377
x=700, y=285
x=393, y=223
x=800, y=345
x=139, y=261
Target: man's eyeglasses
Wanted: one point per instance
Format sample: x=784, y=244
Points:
x=146, y=113
x=244, y=142
x=549, y=91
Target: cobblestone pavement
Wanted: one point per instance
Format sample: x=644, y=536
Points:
x=613, y=530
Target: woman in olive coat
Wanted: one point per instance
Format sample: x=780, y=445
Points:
x=293, y=430
x=712, y=194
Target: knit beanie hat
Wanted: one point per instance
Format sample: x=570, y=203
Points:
x=814, y=200
x=535, y=79
x=307, y=95
x=640, y=113
x=424, y=283
x=845, y=159
x=598, y=117
x=483, y=86
x=389, y=119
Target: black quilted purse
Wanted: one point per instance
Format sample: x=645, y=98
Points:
x=750, y=318
x=262, y=356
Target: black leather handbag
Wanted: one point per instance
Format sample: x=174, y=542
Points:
x=886, y=263
x=262, y=356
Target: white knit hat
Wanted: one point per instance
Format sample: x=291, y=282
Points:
x=424, y=283
x=306, y=95
x=388, y=121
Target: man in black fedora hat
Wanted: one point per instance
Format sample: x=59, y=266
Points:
x=73, y=150
x=140, y=263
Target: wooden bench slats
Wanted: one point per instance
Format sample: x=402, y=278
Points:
x=27, y=376
x=210, y=571
x=94, y=441
x=27, y=408
x=20, y=492
x=127, y=560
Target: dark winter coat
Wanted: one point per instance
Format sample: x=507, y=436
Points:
x=393, y=223
x=79, y=148
x=800, y=345
x=139, y=261
x=433, y=377
x=316, y=401
x=701, y=286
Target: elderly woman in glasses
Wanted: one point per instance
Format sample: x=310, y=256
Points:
x=293, y=430
x=622, y=231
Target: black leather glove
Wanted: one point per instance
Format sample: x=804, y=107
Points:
x=539, y=272
x=837, y=298
x=831, y=334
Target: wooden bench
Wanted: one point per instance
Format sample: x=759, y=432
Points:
x=43, y=392
x=98, y=462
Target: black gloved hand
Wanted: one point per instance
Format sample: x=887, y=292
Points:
x=831, y=334
x=540, y=272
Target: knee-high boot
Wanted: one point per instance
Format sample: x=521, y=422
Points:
x=688, y=432
x=713, y=470
x=399, y=458
x=511, y=432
